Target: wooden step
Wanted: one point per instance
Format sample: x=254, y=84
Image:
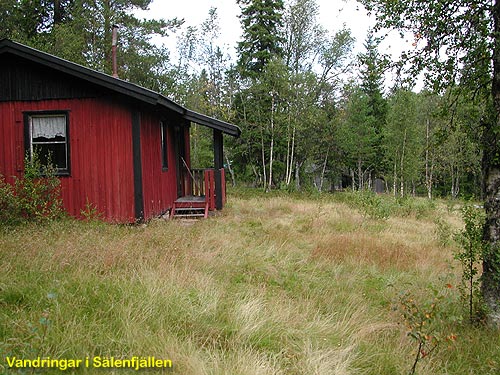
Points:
x=187, y=216
x=189, y=212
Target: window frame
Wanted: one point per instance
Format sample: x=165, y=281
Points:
x=164, y=145
x=28, y=138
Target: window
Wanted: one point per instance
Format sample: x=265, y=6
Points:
x=164, y=145
x=47, y=135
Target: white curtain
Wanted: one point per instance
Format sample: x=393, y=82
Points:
x=48, y=126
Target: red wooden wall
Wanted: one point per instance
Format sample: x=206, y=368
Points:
x=159, y=187
x=11, y=141
x=100, y=153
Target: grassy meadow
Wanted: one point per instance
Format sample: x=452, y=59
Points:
x=274, y=284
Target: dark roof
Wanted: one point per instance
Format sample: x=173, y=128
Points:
x=115, y=84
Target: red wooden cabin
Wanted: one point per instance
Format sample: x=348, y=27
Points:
x=117, y=146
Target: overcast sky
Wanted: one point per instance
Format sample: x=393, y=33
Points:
x=333, y=14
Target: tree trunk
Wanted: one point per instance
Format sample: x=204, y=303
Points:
x=270, y=164
x=271, y=147
x=452, y=191
x=292, y=154
x=402, y=166
x=455, y=182
x=263, y=155
x=258, y=177
x=231, y=172
x=288, y=142
x=322, y=178
x=395, y=178
x=57, y=12
x=297, y=176
x=490, y=286
x=360, y=175
x=428, y=168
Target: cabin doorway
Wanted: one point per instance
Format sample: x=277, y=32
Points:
x=180, y=160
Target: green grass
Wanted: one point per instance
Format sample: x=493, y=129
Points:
x=275, y=284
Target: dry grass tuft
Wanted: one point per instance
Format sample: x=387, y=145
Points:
x=365, y=250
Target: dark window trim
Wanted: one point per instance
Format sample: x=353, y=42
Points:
x=27, y=135
x=164, y=145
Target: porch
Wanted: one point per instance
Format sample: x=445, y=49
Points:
x=204, y=194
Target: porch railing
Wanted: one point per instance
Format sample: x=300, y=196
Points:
x=203, y=185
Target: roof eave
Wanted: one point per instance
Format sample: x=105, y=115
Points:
x=213, y=123
x=115, y=84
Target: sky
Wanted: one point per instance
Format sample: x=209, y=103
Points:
x=333, y=15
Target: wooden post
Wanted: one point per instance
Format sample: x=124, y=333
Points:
x=137, y=165
x=218, y=164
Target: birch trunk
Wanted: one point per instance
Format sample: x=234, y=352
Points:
x=263, y=158
x=402, y=192
x=288, y=142
x=292, y=156
x=270, y=164
x=428, y=168
x=490, y=286
x=257, y=176
x=395, y=178
x=271, y=147
x=231, y=172
x=360, y=175
x=322, y=178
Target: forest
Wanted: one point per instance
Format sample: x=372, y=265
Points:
x=314, y=114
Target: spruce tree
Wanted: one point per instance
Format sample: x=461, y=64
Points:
x=261, y=21
x=371, y=75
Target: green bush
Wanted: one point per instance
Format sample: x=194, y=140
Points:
x=412, y=206
x=470, y=255
x=374, y=205
x=369, y=204
x=34, y=197
x=382, y=206
x=9, y=205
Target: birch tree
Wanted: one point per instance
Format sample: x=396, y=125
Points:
x=457, y=42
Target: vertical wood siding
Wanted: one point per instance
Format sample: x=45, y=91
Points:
x=159, y=187
x=100, y=153
x=11, y=141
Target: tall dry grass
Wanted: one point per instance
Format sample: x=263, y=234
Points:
x=272, y=285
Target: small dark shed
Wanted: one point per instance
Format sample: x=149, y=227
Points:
x=117, y=146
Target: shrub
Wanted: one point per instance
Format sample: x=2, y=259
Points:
x=412, y=206
x=9, y=205
x=34, y=197
x=470, y=256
